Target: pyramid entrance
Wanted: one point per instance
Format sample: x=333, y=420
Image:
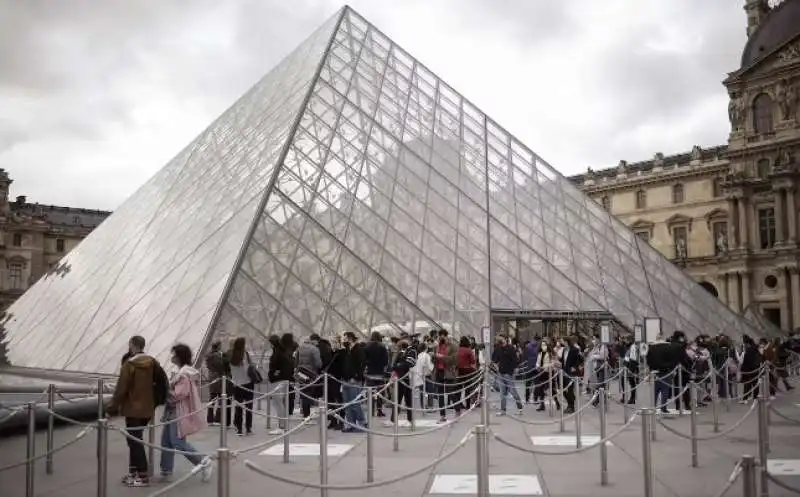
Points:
x=351, y=188
x=525, y=325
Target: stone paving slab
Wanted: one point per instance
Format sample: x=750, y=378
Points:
x=558, y=475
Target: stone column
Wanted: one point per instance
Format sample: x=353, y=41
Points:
x=786, y=303
x=745, y=290
x=733, y=224
x=794, y=274
x=791, y=215
x=744, y=232
x=733, y=292
x=779, y=216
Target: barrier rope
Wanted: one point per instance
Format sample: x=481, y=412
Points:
x=554, y=421
x=781, y=415
x=409, y=434
x=709, y=437
x=305, y=484
x=38, y=457
x=782, y=485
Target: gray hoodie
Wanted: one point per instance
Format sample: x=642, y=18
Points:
x=308, y=357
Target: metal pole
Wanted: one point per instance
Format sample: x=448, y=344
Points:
x=151, y=449
x=223, y=472
x=603, y=448
x=652, y=379
x=728, y=384
x=396, y=414
x=680, y=388
x=102, y=457
x=268, y=413
x=693, y=420
x=30, y=465
x=578, y=404
x=424, y=398
x=765, y=388
x=485, y=419
x=51, y=405
x=286, y=424
x=481, y=435
x=714, y=399
x=222, y=405
x=370, y=447
x=101, y=387
x=551, y=398
x=260, y=397
x=626, y=394
x=763, y=438
x=647, y=456
x=323, y=439
x=561, y=428
x=749, y=476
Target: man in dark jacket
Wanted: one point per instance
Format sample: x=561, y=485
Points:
x=662, y=358
x=376, y=356
x=352, y=381
x=218, y=371
x=506, y=358
x=405, y=360
x=280, y=372
x=134, y=398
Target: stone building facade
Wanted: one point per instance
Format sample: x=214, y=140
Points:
x=34, y=238
x=729, y=214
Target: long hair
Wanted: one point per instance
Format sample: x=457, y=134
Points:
x=237, y=351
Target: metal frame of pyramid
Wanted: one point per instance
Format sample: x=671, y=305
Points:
x=349, y=189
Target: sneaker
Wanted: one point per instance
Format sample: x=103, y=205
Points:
x=139, y=482
x=239, y=434
x=520, y=411
x=249, y=432
x=276, y=431
x=208, y=469
x=127, y=479
x=501, y=413
x=165, y=478
x=442, y=420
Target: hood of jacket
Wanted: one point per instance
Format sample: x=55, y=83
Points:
x=141, y=361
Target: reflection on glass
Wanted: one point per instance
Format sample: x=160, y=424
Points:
x=395, y=205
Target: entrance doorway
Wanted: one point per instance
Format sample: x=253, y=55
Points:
x=773, y=315
x=524, y=325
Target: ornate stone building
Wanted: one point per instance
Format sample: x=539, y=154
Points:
x=729, y=214
x=34, y=237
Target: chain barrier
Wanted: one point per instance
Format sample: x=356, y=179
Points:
x=782, y=485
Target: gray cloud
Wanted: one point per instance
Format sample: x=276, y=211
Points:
x=105, y=92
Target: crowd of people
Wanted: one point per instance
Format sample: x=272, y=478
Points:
x=442, y=373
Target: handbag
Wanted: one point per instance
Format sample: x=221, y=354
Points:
x=253, y=373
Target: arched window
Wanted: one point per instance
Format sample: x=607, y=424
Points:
x=677, y=194
x=606, y=202
x=641, y=199
x=762, y=113
x=763, y=168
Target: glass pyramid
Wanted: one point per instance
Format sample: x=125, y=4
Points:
x=349, y=189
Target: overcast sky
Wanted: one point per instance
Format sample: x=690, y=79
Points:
x=97, y=95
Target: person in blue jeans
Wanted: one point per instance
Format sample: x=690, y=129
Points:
x=506, y=358
x=662, y=358
x=352, y=380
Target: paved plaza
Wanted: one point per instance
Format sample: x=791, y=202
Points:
x=512, y=472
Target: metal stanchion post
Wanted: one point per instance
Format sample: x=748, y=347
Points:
x=603, y=448
x=101, y=387
x=323, y=438
x=51, y=404
x=693, y=420
x=151, y=449
x=652, y=379
x=765, y=385
x=728, y=386
x=30, y=465
x=481, y=439
x=763, y=437
x=102, y=457
x=561, y=428
x=286, y=422
x=647, y=456
x=486, y=391
x=396, y=414
x=578, y=409
x=749, y=476
x=222, y=405
x=424, y=398
x=370, y=447
x=268, y=413
x=714, y=399
x=626, y=393
x=223, y=472
x=260, y=398
x=551, y=399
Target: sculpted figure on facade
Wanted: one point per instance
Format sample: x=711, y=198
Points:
x=722, y=243
x=788, y=99
x=736, y=111
x=697, y=152
x=622, y=167
x=680, y=249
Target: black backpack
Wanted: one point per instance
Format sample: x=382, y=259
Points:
x=160, y=385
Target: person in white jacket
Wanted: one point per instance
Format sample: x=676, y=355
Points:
x=420, y=375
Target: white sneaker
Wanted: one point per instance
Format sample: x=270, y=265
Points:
x=208, y=469
x=276, y=431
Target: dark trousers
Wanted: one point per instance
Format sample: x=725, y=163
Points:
x=214, y=414
x=532, y=379
x=632, y=377
x=292, y=397
x=404, y=397
x=137, y=458
x=541, y=385
x=569, y=392
x=446, y=393
x=750, y=384
x=243, y=395
x=679, y=383
x=467, y=390
x=334, y=399
x=377, y=400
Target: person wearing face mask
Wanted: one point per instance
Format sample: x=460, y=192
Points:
x=570, y=367
x=596, y=367
x=545, y=365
